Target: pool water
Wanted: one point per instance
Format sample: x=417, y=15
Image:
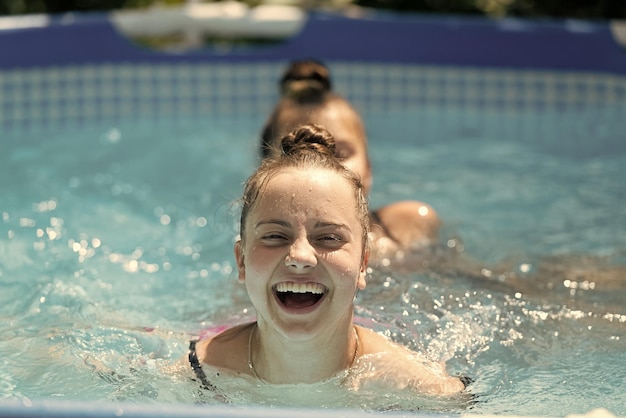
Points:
x=116, y=247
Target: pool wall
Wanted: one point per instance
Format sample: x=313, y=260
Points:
x=78, y=70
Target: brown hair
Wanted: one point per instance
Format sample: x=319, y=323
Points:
x=309, y=146
x=305, y=79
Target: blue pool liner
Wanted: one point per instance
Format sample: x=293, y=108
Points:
x=376, y=37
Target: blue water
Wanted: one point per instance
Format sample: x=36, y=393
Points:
x=116, y=246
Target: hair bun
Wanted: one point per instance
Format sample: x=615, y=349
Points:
x=308, y=138
x=306, y=76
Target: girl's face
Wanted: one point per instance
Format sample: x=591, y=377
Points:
x=301, y=257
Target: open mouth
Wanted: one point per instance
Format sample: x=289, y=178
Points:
x=299, y=295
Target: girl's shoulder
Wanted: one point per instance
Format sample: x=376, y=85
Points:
x=404, y=367
x=374, y=343
x=227, y=349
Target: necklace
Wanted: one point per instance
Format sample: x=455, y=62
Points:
x=251, y=364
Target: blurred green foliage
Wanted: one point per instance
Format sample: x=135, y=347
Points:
x=582, y=9
x=61, y=6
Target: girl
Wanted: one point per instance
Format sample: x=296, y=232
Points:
x=302, y=255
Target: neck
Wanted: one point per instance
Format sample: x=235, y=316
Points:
x=280, y=361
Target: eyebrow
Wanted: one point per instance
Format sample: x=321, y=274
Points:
x=333, y=224
x=344, y=143
x=272, y=221
x=319, y=224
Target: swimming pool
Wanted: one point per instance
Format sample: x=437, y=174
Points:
x=118, y=183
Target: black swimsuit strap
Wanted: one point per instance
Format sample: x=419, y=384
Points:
x=197, y=368
x=466, y=380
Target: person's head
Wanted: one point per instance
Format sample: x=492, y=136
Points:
x=307, y=98
x=304, y=222
x=309, y=146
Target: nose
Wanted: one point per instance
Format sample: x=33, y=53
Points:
x=301, y=255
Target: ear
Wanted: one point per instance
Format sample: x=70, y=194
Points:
x=361, y=282
x=241, y=268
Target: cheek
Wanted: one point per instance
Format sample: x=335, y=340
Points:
x=348, y=274
x=258, y=261
x=257, y=271
x=348, y=278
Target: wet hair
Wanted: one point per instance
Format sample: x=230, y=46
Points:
x=309, y=146
x=304, y=86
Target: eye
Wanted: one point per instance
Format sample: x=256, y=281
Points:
x=344, y=151
x=343, y=154
x=331, y=240
x=274, y=238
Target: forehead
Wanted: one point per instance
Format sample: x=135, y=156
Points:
x=310, y=192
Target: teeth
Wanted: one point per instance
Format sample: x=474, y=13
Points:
x=300, y=287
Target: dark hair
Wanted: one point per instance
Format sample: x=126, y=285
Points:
x=305, y=79
x=309, y=146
